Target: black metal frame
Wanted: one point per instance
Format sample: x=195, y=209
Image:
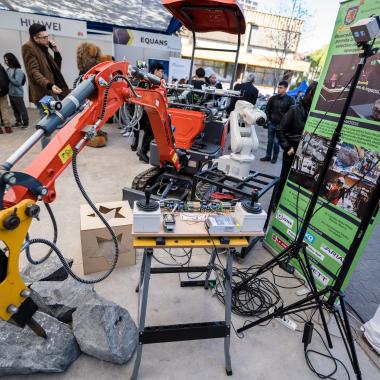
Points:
x=317, y=298
x=195, y=47
x=259, y=182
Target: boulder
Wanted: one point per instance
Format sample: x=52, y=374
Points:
x=61, y=298
x=51, y=270
x=105, y=330
x=23, y=352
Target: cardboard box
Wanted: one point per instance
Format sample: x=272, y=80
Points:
x=97, y=244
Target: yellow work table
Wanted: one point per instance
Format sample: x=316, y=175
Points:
x=186, y=235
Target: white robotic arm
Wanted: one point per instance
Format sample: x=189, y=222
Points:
x=244, y=139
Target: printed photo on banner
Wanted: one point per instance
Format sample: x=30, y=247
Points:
x=309, y=160
x=366, y=101
x=352, y=176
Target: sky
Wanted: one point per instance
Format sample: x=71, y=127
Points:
x=318, y=27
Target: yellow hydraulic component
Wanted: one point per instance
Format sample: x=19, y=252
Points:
x=13, y=290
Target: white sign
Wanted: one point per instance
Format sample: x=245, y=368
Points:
x=284, y=219
x=54, y=25
x=135, y=38
x=338, y=258
x=179, y=68
x=319, y=276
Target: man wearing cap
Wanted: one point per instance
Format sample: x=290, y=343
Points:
x=43, y=71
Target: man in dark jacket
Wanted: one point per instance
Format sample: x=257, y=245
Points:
x=290, y=132
x=43, y=71
x=4, y=109
x=248, y=92
x=278, y=105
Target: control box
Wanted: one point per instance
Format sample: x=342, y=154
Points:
x=146, y=221
x=249, y=222
x=219, y=224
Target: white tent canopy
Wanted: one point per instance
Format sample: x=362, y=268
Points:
x=138, y=14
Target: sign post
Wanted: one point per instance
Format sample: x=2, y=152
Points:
x=354, y=169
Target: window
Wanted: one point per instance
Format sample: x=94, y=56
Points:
x=265, y=76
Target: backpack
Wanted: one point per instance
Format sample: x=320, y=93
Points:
x=23, y=77
x=4, y=81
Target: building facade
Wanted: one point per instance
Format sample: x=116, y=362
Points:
x=268, y=48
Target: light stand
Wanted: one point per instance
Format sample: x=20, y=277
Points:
x=318, y=298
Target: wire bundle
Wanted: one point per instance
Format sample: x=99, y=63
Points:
x=254, y=299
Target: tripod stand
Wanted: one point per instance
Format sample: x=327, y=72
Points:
x=324, y=299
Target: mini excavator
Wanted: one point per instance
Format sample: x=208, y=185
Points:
x=104, y=89
x=75, y=121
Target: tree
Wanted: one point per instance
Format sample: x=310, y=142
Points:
x=286, y=36
x=317, y=60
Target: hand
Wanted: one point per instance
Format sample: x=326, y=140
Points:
x=56, y=89
x=53, y=46
x=290, y=152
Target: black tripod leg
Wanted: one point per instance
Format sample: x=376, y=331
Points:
x=264, y=268
x=294, y=307
x=311, y=282
x=350, y=340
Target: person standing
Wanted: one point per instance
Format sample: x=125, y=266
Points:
x=199, y=78
x=278, y=105
x=248, y=91
x=156, y=69
x=43, y=71
x=213, y=81
x=16, y=92
x=4, y=109
x=289, y=134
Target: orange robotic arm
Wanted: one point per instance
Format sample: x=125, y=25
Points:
x=104, y=90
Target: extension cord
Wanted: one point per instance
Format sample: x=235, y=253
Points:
x=287, y=322
x=302, y=292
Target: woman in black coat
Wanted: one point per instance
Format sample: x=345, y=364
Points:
x=289, y=135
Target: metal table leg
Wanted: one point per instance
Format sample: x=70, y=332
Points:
x=148, y=253
x=141, y=279
x=210, y=266
x=228, y=306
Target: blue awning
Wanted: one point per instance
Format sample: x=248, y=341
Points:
x=302, y=87
x=148, y=15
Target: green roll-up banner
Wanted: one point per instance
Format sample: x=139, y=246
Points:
x=355, y=168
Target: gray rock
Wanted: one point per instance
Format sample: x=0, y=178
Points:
x=106, y=331
x=23, y=352
x=51, y=270
x=61, y=298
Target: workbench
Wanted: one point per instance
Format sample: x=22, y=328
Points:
x=186, y=235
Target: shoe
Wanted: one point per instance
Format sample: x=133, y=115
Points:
x=266, y=158
x=143, y=156
x=127, y=134
x=274, y=160
x=1, y=131
x=123, y=130
x=133, y=148
x=25, y=127
x=17, y=124
x=8, y=129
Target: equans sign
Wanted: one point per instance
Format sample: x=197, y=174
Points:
x=54, y=25
x=135, y=38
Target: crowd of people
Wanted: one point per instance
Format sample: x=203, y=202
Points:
x=286, y=116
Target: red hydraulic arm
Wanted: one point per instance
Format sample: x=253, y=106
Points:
x=106, y=89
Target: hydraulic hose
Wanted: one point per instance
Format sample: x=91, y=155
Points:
x=27, y=245
x=52, y=245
